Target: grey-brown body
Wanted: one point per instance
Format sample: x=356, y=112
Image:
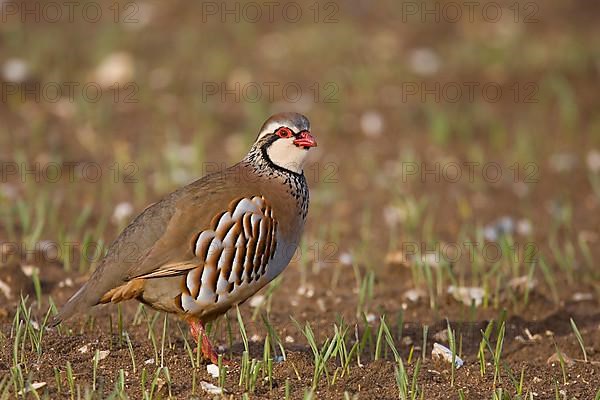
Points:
x=159, y=257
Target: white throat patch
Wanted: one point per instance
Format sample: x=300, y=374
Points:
x=285, y=154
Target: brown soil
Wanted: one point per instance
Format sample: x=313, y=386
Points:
x=353, y=179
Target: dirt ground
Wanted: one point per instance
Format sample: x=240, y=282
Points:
x=387, y=212
x=532, y=336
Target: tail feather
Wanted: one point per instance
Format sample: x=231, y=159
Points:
x=90, y=295
x=86, y=297
x=76, y=303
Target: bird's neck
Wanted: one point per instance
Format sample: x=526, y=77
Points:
x=295, y=183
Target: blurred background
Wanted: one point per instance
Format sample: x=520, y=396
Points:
x=443, y=126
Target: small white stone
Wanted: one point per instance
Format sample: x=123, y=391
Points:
x=67, y=282
x=160, y=382
x=255, y=338
x=321, y=305
x=372, y=123
x=5, y=289
x=503, y=226
x=37, y=385
x=582, y=297
x=257, y=301
x=83, y=349
x=593, y=161
x=394, y=215
x=15, y=70
x=115, y=68
x=424, y=61
x=213, y=370
x=346, y=258
x=122, y=211
x=149, y=361
x=28, y=270
x=414, y=295
x=522, y=283
x=520, y=338
x=446, y=354
x=31, y=387
x=289, y=339
x=531, y=337
x=506, y=225
x=306, y=291
x=371, y=318
x=489, y=233
x=467, y=295
x=524, y=227
x=103, y=354
x=441, y=336
x=210, y=388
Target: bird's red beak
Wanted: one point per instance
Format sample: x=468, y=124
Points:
x=305, y=139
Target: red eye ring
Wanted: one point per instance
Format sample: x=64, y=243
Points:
x=284, y=132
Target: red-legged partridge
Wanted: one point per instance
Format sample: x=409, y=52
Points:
x=215, y=242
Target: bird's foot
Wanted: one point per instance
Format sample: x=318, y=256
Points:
x=208, y=351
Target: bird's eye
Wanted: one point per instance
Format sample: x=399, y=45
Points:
x=284, y=132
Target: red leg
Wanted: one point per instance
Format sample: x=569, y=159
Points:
x=198, y=333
